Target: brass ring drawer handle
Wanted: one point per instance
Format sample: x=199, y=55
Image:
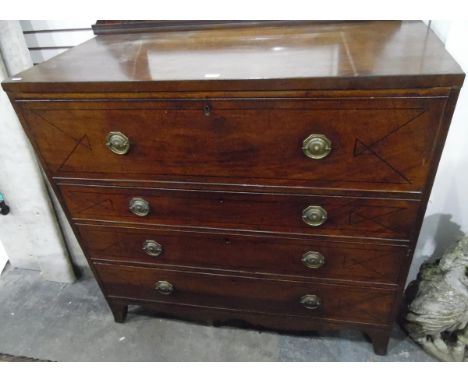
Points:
x=118, y=142
x=139, y=206
x=311, y=301
x=152, y=248
x=164, y=287
x=314, y=216
x=316, y=146
x=313, y=259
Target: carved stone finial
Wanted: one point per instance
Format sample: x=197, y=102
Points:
x=437, y=317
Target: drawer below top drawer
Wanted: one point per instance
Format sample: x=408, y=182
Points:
x=382, y=144
x=253, y=253
x=299, y=214
x=330, y=301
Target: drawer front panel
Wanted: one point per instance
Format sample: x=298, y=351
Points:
x=379, y=144
x=361, y=217
x=244, y=293
x=255, y=253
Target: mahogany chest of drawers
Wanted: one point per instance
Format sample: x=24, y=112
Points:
x=276, y=174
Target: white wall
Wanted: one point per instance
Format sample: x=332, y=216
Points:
x=47, y=38
x=447, y=213
x=3, y=257
x=29, y=233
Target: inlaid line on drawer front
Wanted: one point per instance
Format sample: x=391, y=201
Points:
x=246, y=293
x=356, y=217
x=381, y=144
x=253, y=253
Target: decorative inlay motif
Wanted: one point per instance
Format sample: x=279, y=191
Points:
x=81, y=141
x=375, y=148
x=374, y=214
x=360, y=305
x=367, y=264
x=103, y=204
x=361, y=148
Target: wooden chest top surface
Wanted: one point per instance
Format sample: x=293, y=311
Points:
x=345, y=55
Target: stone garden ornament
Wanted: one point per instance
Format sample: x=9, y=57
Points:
x=437, y=317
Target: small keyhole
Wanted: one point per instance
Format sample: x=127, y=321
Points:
x=207, y=110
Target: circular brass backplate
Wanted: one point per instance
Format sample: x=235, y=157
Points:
x=164, y=287
x=152, y=247
x=118, y=142
x=316, y=146
x=311, y=301
x=139, y=206
x=314, y=216
x=313, y=259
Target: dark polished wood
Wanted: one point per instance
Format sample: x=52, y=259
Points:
x=378, y=334
x=274, y=296
x=346, y=217
x=244, y=141
x=352, y=55
x=260, y=254
x=380, y=338
x=119, y=311
x=216, y=118
x=139, y=26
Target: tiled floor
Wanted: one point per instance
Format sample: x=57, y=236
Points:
x=71, y=322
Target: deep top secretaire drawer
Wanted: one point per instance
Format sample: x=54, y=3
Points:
x=355, y=143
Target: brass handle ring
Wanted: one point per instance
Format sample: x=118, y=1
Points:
x=314, y=216
x=152, y=248
x=139, y=206
x=312, y=259
x=164, y=287
x=311, y=301
x=316, y=146
x=118, y=142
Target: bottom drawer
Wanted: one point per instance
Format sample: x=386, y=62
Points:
x=358, y=304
